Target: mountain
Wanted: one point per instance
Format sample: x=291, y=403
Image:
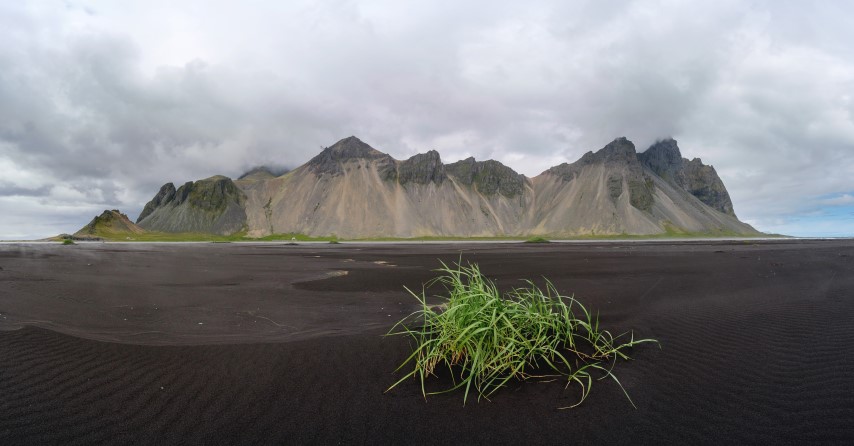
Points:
x=699, y=180
x=615, y=191
x=109, y=224
x=214, y=205
x=352, y=190
x=258, y=173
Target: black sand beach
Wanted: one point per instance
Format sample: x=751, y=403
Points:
x=267, y=344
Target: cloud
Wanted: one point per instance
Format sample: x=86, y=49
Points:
x=101, y=103
x=11, y=190
x=841, y=200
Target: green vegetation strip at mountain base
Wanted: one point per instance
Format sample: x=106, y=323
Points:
x=203, y=237
x=242, y=237
x=485, y=339
x=670, y=234
x=537, y=240
x=292, y=236
x=177, y=237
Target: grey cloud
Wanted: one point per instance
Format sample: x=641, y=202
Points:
x=90, y=109
x=11, y=190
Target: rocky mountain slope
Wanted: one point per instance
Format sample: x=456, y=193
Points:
x=213, y=205
x=352, y=190
x=699, y=180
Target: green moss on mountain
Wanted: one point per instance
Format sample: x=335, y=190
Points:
x=214, y=205
x=110, y=224
x=640, y=194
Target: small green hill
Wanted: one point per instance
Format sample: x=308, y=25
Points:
x=111, y=224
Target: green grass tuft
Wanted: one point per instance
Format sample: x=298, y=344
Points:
x=486, y=339
x=537, y=240
x=68, y=241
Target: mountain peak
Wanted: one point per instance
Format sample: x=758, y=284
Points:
x=328, y=160
x=489, y=177
x=663, y=151
x=665, y=159
x=620, y=151
x=352, y=147
x=422, y=168
x=109, y=223
x=698, y=179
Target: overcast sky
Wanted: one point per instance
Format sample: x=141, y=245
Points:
x=101, y=102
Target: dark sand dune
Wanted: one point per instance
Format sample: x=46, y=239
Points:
x=756, y=345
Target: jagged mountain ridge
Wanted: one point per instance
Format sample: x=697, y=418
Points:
x=352, y=190
x=696, y=178
x=213, y=205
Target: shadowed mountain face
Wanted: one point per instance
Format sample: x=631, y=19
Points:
x=693, y=176
x=355, y=191
x=488, y=177
x=423, y=168
x=214, y=205
x=165, y=195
